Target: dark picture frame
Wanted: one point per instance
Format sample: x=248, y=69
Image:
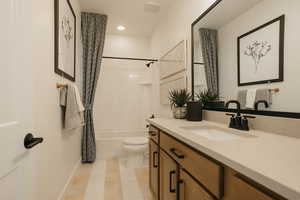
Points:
x=57, y=27
x=280, y=78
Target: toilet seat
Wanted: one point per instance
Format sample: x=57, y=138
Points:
x=135, y=146
x=135, y=141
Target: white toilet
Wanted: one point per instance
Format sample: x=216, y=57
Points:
x=135, y=146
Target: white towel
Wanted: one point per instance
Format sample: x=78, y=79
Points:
x=78, y=98
x=251, y=95
x=264, y=94
x=72, y=107
x=241, y=97
x=63, y=96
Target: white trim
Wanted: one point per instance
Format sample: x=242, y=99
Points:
x=76, y=166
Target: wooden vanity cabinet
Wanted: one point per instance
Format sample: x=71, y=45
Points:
x=177, y=184
x=154, y=134
x=168, y=177
x=179, y=172
x=154, y=168
x=206, y=171
x=190, y=189
x=238, y=186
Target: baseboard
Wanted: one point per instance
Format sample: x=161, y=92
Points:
x=60, y=197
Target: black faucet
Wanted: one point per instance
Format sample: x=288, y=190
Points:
x=259, y=102
x=238, y=106
x=237, y=121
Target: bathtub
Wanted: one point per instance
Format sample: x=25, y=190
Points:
x=109, y=144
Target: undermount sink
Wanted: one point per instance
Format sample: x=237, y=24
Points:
x=212, y=133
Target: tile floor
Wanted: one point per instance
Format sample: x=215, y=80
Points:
x=113, y=179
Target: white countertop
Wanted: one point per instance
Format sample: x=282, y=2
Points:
x=270, y=159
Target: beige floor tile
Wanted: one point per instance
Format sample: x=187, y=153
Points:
x=113, y=187
x=142, y=175
x=77, y=187
x=112, y=182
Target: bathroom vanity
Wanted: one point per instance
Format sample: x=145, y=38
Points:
x=206, y=160
x=244, y=53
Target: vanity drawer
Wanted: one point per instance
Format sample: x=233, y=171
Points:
x=153, y=133
x=206, y=171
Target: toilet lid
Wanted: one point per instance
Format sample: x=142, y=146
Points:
x=136, y=141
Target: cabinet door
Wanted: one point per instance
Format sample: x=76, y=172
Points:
x=168, y=177
x=240, y=187
x=154, y=167
x=206, y=171
x=189, y=189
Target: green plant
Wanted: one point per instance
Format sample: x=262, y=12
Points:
x=207, y=96
x=178, y=98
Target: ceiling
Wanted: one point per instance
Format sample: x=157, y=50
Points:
x=129, y=13
x=225, y=12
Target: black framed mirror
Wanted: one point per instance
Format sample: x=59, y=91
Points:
x=246, y=51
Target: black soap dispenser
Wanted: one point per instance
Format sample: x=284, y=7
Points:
x=194, y=111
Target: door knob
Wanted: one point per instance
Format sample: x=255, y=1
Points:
x=30, y=141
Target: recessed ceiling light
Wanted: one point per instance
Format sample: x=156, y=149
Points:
x=121, y=28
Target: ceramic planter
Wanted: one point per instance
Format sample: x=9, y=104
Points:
x=179, y=112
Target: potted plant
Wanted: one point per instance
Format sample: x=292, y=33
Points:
x=178, y=100
x=210, y=99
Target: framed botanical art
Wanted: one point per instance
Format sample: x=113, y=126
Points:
x=65, y=39
x=261, y=54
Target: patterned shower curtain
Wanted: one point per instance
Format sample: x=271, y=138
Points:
x=93, y=27
x=209, y=43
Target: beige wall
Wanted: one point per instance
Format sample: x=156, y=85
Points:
x=126, y=46
x=175, y=26
x=58, y=155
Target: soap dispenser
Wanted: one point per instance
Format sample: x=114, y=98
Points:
x=194, y=111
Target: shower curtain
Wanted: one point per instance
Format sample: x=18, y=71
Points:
x=209, y=44
x=93, y=27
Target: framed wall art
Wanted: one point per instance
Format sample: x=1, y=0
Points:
x=65, y=39
x=261, y=54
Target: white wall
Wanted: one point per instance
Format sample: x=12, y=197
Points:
x=288, y=97
x=122, y=104
x=174, y=27
x=58, y=155
x=126, y=46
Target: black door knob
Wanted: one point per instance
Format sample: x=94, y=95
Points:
x=30, y=141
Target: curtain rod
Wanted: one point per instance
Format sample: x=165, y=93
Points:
x=125, y=58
